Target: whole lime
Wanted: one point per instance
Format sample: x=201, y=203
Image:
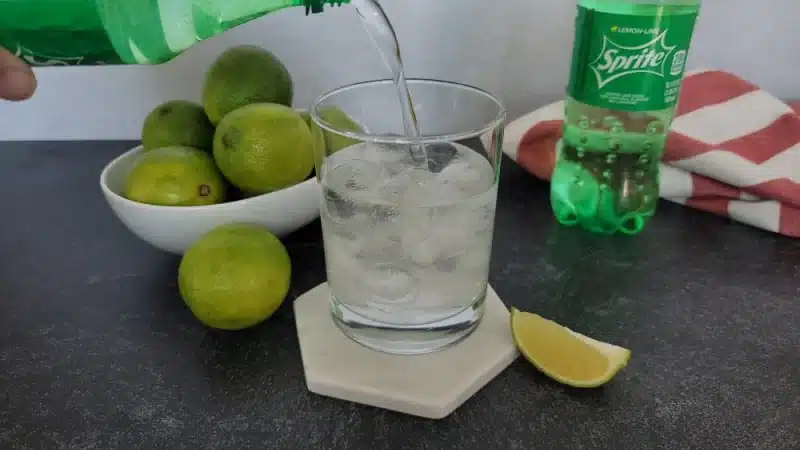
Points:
x=339, y=120
x=316, y=131
x=264, y=147
x=177, y=122
x=234, y=276
x=175, y=176
x=243, y=75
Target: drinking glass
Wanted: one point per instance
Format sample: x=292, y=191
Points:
x=407, y=221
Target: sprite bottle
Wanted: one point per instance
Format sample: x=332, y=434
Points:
x=627, y=66
x=91, y=32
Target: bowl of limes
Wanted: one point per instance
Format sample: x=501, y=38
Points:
x=242, y=156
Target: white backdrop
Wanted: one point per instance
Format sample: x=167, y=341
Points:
x=518, y=49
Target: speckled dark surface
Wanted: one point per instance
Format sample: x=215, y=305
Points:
x=97, y=350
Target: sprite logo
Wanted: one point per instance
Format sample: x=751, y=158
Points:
x=630, y=62
x=37, y=59
x=59, y=56
x=617, y=61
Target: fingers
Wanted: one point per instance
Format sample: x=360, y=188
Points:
x=17, y=81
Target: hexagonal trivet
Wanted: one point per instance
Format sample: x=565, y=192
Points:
x=431, y=385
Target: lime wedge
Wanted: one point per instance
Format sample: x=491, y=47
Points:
x=564, y=355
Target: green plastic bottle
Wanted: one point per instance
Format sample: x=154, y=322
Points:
x=627, y=67
x=92, y=32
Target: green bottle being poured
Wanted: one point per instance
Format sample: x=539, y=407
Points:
x=93, y=32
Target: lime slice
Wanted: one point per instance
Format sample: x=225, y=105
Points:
x=564, y=355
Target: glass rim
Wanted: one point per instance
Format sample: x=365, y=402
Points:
x=498, y=119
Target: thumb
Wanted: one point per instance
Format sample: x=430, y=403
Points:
x=17, y=81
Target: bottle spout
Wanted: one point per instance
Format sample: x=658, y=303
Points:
x=316, y=6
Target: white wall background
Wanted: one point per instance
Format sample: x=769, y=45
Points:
x=518, y=49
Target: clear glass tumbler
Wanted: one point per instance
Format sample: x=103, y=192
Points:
x=408, y=238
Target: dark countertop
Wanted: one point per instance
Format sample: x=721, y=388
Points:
x=98, y=351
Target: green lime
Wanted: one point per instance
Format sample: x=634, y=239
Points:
x=243, y=75
x=565, y=355
x=235, y=276
x=316, y=132
x=175, y=176
x=339, y=120
x=264, y=147
x=177, y=122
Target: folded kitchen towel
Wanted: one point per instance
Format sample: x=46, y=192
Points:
x=733, y=150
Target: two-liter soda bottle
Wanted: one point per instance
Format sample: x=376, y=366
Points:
x=91, y=32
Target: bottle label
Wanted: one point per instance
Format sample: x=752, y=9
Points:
x=629, y=62
x=59, y=52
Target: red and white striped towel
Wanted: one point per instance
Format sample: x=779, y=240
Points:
x=733, y=150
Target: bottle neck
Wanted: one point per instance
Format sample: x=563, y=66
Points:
x=212, y=17
x=185, y=22
x=316, y=6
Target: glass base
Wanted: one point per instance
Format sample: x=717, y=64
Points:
x=408, y=339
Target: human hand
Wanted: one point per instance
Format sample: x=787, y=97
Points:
x=17, y=81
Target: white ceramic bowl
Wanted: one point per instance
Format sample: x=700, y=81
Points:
x=175, y=228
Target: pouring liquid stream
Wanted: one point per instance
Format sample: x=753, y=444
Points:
x=384, y=38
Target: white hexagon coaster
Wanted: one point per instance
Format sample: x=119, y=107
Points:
x=431, y=385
